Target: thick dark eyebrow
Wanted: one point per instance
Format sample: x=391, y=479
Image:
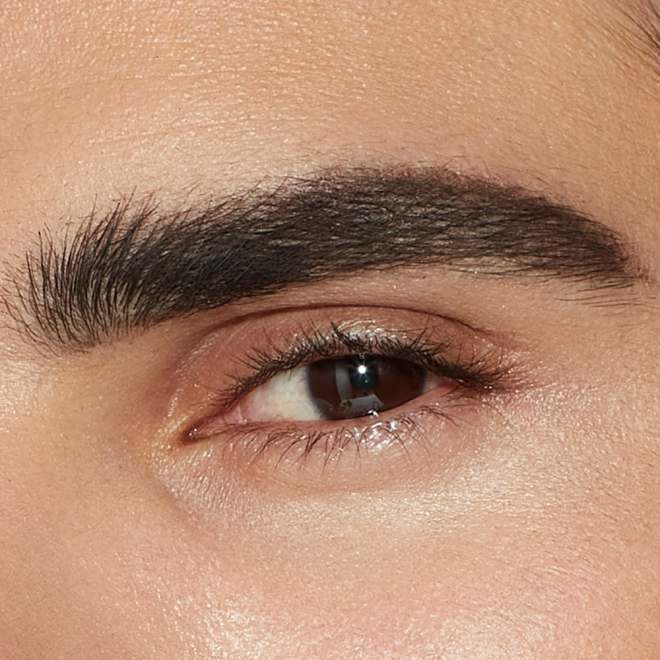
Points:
x=137, y=266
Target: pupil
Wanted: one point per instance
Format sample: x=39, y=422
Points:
x=364, y=376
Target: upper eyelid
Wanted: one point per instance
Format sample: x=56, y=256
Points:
x=477, y=371
x=310, y=348
x=213, y=374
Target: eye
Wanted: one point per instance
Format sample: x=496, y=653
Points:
x=346, y=387
x=331, y=397
x=363, y=384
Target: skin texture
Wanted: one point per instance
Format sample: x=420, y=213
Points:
x=527, y=528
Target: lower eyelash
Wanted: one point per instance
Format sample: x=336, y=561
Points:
x=296, y=447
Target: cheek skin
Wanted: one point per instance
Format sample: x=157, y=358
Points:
x=199, y=597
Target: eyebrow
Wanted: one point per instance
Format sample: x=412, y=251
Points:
x=137, y=266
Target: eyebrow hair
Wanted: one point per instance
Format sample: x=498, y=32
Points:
x=137, y=266
x=635, y=24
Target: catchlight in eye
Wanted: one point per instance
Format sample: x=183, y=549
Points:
x=361, y=385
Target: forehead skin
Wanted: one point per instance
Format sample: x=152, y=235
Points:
x=109, y=98
x=103, y=100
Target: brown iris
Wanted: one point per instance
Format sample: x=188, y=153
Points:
x=362, y=384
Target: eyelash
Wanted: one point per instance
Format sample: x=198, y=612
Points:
x=475, y=375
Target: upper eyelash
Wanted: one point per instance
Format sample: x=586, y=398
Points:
x=476, y=372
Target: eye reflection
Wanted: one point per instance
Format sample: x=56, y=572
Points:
x=362, y=385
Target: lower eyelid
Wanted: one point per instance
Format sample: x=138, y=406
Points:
x=351, y=454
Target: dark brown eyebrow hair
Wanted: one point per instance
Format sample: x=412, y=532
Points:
x=137, y=266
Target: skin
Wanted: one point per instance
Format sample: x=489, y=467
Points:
x=529, y=529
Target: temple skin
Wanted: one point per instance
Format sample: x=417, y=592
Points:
x=517, y=517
